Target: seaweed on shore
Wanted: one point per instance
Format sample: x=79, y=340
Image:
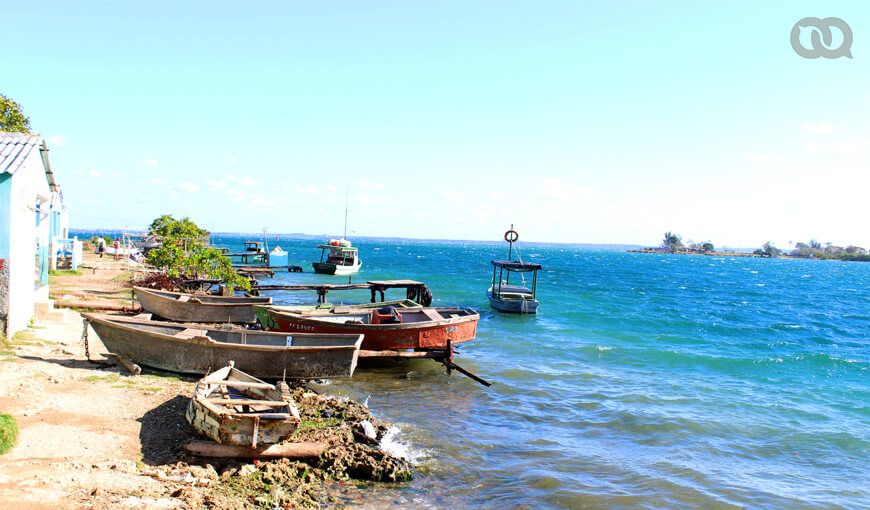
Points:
x=352, y=436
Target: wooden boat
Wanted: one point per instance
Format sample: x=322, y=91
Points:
x=232, y=407
x=196, y=350
x=386, y=328
x=508, y=298
x=183, y=307
x=262, y=311
x=337, y=257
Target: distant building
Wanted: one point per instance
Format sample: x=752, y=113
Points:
x=32, y=215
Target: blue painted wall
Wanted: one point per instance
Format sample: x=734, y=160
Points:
x=5, y=204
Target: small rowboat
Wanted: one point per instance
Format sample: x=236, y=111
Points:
x=183, y=307
x=232, y=407
x=386, y=328
x=196, y=350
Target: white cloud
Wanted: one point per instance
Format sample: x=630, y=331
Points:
x=307, y=190
x=214, y=183
x=816, y=127
x=57, y=140
x=262, y=202
x=236, y=195
x=370, y=186
x=188, y=187
x=150, y=162
x=156, y=180
x=244, y=180
x=96, y=174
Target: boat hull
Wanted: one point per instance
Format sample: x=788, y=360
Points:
x=519, y=305
x=335, y=269
x=262, y=354
x=432, y=335
x=198, y=308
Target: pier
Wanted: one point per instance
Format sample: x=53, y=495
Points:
x=414, y=290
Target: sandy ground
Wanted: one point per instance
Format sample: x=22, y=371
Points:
x=89, y=433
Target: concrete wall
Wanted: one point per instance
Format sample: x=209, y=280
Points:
x=28, y=187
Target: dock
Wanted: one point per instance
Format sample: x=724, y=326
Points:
x=414, y=290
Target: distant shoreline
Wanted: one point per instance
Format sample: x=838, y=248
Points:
x=735, y=254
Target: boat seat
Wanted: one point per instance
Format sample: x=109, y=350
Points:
x=190, y=333
x=432, y=314
x=386, y=318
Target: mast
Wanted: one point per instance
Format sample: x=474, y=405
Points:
x=345, y=213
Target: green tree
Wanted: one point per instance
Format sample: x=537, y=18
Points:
x=708, y=246
x=671, y=242
x=768, y=250
x=184, y=252
x=11, y=116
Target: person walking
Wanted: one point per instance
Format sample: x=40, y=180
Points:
x=101, y=246
x=117, y=245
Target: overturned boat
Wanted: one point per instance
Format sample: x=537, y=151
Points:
x=198, y=349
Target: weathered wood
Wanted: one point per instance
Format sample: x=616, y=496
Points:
x=240, y=384
x=131, y=367
x=402, y=354
x=454, y=366
x=247, y=402
x=285, y=450
x=102, y=305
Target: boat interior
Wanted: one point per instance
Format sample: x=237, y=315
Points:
x=213, y=300
x=391, y=315
x=246, y=336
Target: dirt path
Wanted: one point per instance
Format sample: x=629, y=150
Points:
x=87, y=431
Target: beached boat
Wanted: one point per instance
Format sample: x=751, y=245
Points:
x=337, y=257
x=197, y=350
x=262, y=311
x=232, y=407
x=386, y=328
x=183, y=307
x=508, y=298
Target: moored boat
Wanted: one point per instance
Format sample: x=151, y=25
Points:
x=338, y=257
x=386, y=328
x=183, y=307
x=196, y=350
x=508, y=298
x=231, y=407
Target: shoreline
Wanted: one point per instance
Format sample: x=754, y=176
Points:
x=91, y=436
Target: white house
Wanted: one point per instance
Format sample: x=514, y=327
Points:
x=32, y=214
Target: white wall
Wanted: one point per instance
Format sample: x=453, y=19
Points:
x=28, y=183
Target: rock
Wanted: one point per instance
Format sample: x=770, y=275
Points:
x=368, y=430
x=247, y=469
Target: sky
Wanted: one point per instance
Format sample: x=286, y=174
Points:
x=582, y=122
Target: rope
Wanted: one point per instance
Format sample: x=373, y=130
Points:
x=86, y=323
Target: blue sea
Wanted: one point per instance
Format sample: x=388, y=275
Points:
x=645, y=381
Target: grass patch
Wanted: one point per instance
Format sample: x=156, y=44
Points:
x=128, y=383
x=318, y=424
x=8, y=432
x=161, y=377
x=64, y=272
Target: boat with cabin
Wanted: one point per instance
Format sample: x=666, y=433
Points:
x=512, y=298
x=338, y=257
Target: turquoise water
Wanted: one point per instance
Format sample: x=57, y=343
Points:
x=646, y=381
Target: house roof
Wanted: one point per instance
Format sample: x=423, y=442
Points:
x=15, y=148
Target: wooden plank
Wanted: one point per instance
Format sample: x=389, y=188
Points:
x=283, y=450
x=247, y=402
x=402, y=354
x=191, y=333
x=240, y=384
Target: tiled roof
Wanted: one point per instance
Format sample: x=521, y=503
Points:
x=14, y=149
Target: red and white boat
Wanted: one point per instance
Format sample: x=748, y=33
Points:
x=387, y=328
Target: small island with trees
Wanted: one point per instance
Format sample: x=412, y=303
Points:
x=673, y=243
